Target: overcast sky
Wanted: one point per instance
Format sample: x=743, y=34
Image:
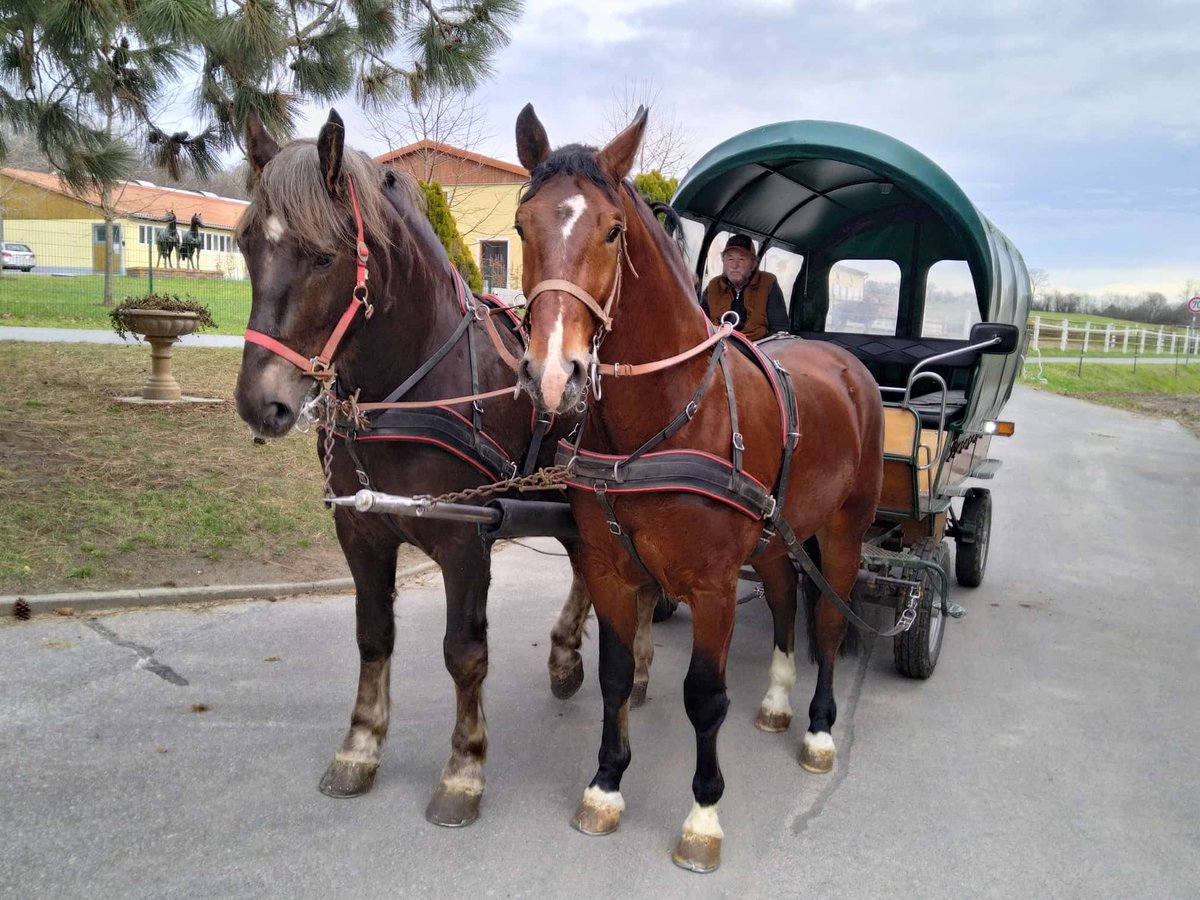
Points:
x=1074, y=126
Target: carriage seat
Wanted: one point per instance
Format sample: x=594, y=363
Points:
x=891, y=360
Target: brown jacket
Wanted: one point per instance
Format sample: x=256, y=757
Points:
x=718, y=298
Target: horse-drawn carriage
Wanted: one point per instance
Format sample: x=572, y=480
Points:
x=776, y=453
x=927, y=281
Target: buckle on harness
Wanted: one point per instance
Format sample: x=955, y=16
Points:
x=510, y=471
x=793, y=438
x=690, y=410
x=769, y=511
x=363, y=478
x=738, y=444
x=614, y=527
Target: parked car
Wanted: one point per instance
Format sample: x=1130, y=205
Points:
x=19, y=256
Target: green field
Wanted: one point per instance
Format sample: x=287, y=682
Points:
x=50, y=301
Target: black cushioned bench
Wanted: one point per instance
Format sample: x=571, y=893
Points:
x=891, y=360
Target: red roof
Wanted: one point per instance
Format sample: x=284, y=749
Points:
x=145, y=201
x=518, y=173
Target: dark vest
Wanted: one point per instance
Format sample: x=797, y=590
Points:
x=719, y=295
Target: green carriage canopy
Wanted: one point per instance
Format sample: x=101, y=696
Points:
x=830, y=191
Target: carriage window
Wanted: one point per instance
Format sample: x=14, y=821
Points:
x=785, y=266
x=951, y=306
x=864, y=296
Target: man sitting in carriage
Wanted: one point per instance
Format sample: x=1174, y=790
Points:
x=753, y=294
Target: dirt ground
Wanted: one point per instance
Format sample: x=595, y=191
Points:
x=1184, y=408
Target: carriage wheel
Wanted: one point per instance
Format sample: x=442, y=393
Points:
x=916, y=650
x=665, y=607
x=970, y=558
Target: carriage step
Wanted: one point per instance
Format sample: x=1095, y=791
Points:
x=986, y=469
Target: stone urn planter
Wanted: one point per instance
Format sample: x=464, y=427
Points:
x=161, y=327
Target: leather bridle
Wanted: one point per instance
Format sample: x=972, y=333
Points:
x=320, y=366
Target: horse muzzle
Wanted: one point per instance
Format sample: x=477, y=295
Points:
x=556, y=386
x=270, y=401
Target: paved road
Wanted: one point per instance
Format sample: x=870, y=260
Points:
x=1052, y=754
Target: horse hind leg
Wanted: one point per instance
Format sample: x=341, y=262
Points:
x=643, y=644
x=372, y=562
x=565, y=664
x=779, y=583
x=466, y=572
x=840, y=545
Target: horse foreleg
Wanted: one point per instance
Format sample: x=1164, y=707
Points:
x=840, y=551
x=372, y=562
x=466, y=572
x=599, y=811
x=706, y=701
x=565, y=664
x=779, y=584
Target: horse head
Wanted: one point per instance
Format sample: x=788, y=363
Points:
x=196, y=223
x=572, y=224
x=299, y=237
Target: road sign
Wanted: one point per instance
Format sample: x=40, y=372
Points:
x=1194, y=305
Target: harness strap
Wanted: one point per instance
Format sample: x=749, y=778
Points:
x=544, y=421
x=682, y=418
x=620, y=370
x=600, y=489
x=738, y=445
x=426, y=367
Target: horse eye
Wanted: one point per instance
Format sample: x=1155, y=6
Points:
x=613, y=233
x=321, y=263
x=520, y=231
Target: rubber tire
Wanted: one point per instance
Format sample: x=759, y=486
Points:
x=664, y=608
x=916, y=651
x=970, y=559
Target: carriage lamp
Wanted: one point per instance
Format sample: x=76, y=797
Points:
x=1004, y=429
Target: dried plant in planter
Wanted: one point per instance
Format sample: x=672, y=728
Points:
x=164, y=302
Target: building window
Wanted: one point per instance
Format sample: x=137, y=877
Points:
x=493, y=262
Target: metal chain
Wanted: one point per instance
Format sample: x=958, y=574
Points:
x=551, y=478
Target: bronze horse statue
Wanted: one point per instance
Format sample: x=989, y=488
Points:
x=191, y=243
x=706, y=452
x=322, y=218
x=168, y=241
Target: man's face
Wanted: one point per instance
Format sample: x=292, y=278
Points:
x=738, y=266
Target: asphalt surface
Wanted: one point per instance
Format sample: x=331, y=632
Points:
x=1052, y=753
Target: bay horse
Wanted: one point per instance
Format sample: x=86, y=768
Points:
x=190, y=244
x=168, y=240
x=323, y=218
x=674, y=468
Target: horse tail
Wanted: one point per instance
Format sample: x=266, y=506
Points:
x=810, y=594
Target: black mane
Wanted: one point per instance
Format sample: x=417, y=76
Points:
x=573, y=159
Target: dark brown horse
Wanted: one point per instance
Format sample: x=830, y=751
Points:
x=300, y=236
x=597, y=267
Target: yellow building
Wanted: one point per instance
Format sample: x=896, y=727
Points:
x=66, y=230
x=482, y=193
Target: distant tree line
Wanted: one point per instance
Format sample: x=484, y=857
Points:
x=1153, y=307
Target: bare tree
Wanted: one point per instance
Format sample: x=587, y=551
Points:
x=440, y=116
x=665, y=144
x=1039, y=280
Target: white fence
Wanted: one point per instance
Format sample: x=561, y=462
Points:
x=1049, y=334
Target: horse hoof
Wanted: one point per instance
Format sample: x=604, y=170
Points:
x=565, y=686
x=348, y=779
x=638, y=696
x=773, y=722
x=698, y=853
x=599, y=812
x=452, y=809
x=817, y=753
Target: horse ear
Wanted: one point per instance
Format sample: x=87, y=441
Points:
x=532, y=144
x=616, y=159
x=331, y=144
x=260, y=146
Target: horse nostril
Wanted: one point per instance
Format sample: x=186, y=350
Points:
x=578, y=373
x=277, y=416
x=524, y=370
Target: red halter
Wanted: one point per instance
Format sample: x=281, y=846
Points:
x=319, y=366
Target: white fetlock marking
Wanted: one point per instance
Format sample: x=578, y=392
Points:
x=598, y=799
x=782, y=680
x=359, y=747
x=702, y=820
x=819, y=744
x=463, y=784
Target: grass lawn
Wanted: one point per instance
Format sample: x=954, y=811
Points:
x=49, y=301
x=99, y=494
x=1152, y=389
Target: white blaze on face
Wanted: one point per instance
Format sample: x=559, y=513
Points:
x=556, y=371
x=571, y=208
x=274, y=228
